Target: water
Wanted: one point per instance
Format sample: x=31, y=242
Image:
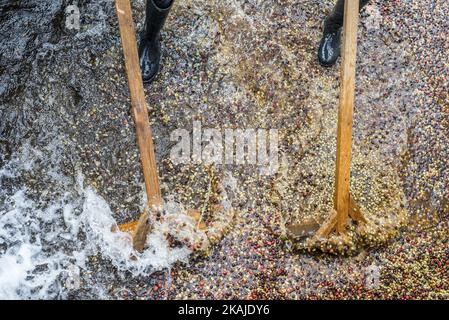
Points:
x=45, y=245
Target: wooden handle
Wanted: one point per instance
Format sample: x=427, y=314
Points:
x=139, y=109
x=344, y=129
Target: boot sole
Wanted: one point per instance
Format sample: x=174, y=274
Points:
x=150, y=80
x=327, y=65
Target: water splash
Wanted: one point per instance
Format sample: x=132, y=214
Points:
x=45, y=245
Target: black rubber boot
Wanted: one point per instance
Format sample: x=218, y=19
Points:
x=150, y=45
x=329, y=49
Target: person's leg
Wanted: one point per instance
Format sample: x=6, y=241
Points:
x=150, y=47
x=329, y=49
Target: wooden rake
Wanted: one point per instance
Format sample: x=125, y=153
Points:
x=140, y=228
x=344, y=204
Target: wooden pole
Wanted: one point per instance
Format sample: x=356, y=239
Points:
x=141, y=120
x=139, y=107
x=344, y=129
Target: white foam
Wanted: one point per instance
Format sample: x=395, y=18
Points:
x=117, y=246
x=47, y=242
x=14, y=268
